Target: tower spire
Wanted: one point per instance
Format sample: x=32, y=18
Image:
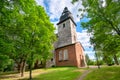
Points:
x=66, y=14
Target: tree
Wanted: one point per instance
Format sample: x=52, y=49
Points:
x=103, y=24
x=87, y=60
x=27, y=30
x=101, y=14
x=108, y=60
x=103, y=44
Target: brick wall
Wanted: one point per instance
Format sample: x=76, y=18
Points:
x=74, y=55
x=79, y=55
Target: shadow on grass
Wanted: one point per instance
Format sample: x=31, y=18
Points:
x=5, y=75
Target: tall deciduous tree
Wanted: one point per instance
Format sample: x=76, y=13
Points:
x=27, y=30
x=104, y=24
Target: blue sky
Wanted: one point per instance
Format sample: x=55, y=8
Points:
x=54, y=9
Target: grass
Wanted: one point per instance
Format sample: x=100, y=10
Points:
x=105, y=73
x=66, y=73
x=10, y=72
x=61, y=73
x=57, y=73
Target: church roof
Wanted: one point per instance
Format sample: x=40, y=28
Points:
x=66, y=14
x=71, y=44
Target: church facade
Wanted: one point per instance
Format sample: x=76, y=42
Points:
x=68, y=52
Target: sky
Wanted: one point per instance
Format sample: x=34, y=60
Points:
x=54, y=9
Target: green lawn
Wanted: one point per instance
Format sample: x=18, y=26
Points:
x=62, y=73
x=105, y=73
x=72, y=73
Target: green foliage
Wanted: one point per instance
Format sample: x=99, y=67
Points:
x=105, y=73
x=25, y=31
x=73, y=1
x=108, y=60
x=5, y=62
x=104, y=25
x=88, y=60
x=100, y=62
x=91, y=62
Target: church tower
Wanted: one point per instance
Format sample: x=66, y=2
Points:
x=66, y=29
x=68, y=52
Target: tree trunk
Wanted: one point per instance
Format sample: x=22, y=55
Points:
x=36, y=65
x=22, y=68
x=44, y=63
x=19, y=65
x=31, y=62
x=30, y=75
x=97, y=60
x=115, y=59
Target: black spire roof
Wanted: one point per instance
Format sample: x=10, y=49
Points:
x=66, y=14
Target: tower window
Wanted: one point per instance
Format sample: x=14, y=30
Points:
x=63, y=25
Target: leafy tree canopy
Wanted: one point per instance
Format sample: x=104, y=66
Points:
x=103, y=24
x=25, y=31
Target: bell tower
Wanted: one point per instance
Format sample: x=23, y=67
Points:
x=68, y=52
x=66, y=29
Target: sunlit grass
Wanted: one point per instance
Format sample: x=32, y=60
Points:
x=56, y=73
x=62, y=73
x=105, y=73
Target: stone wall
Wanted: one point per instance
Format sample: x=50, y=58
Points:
x=67, y=34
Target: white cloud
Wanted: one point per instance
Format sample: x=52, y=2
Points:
x=55, y=8
x=84, y=38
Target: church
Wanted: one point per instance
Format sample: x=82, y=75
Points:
x=68, y=52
